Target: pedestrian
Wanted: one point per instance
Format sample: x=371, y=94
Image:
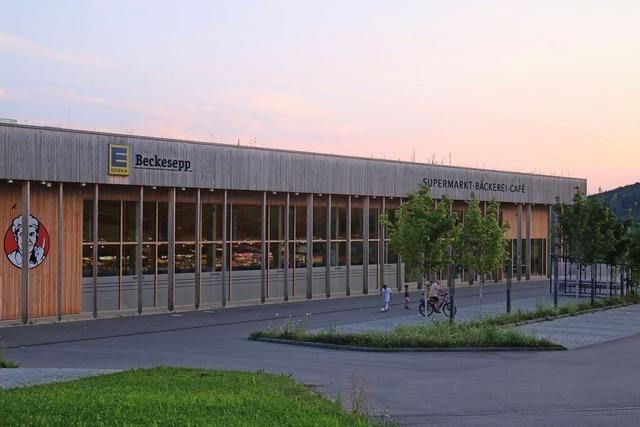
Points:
x=386, y=297
x=407, y=298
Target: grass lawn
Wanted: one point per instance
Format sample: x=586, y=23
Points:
x=4, y=363
x=488, y=331
x=428, y=335
x=173, y=396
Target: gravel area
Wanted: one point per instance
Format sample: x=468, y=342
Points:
x=20, y=377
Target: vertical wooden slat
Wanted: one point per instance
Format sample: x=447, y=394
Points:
x=225, y=249
x=60, y=255
x=286, y=249
x=26, y=206
x=172, y=250
x=95, y=250
x=198, y=249
x=139, y=239
x=309, y=246
x=348, y=280
x=381, y=252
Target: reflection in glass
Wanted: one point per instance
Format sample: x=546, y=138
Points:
x=87, y=221
x=374, y=218
x=276, y=223
x=185, y=258
x=87, y=260
x=319, y=222
x=148, y=259
x=128, y=260
x=185, y=222
x=149, y=221
x=109, y=221
x=246, y=222
x=276, y=255
x=373, y=252
x=319, y=254
x=245, y=256
x=212, y=222
x=163, y=259
x=300, y=255
x=338, y=223
x=211, y=257
x=108, y=260
x=129, y=222
x=391, y=256
x=163, y=222
x=356, y=253
x=338, y=253
x=356, y=223
x=301, y=222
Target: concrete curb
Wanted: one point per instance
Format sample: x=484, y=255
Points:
x=404, y=349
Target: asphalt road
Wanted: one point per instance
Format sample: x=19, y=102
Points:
x=594, y=385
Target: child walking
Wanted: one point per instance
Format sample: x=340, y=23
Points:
x=386, y=297
x=407, y=298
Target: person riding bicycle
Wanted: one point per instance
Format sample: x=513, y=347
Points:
x=435, y=294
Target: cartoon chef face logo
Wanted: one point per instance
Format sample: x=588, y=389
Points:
x=38, y=242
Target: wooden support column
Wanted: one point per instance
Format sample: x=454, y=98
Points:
x=309, y=246
x=60, y=266
x=95, y=250
x=287, y=225
x=225, y=249
x=327, y=276
x=365, y=246
x=381, y=252
x=198, y=236
x=263, y=249
x=550, y=225
x=348, y=283
x=139, y=239
x=519, y=242
x=528, y=243
x=172, y=250
x=24, y=251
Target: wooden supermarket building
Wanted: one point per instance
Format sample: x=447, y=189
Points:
x=122, y=223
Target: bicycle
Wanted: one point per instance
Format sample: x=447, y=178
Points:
x=429, y=308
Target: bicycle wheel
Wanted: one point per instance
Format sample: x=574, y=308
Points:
x=421, y=309
x=446, y=307
x=429, y=309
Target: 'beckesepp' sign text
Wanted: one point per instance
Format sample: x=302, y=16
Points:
x=162, y=163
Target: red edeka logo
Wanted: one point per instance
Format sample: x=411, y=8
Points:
x=39, y=242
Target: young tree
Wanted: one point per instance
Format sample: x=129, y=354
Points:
x=494, y=246
x=468, y=246
x=422, y=231
x=572, y=227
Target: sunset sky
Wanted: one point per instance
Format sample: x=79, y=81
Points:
x=534, y=86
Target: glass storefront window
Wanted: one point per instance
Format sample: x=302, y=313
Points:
x=276, y=223
x=212, y=222
x=149, y=221
x=391, y=256
x=163, y=259
x=128, y=260
x=163, y=222
x=356, y=223
x=87, y=221
x=185, y=258
x=108, y=260
x=108, y=221
x=338, y=223
x=211, y=257
x=149, y=259
x=246, y=222
x=319, y=254
x=338, y=253
x=129, y=222
x=356, y=253
x=319, y=223
x=245, y=256
x=301, y=222
x=373, y=252
x=374, y=218
x=185, y=222
x=299, y=254
x=87, y=260
x=276, y=255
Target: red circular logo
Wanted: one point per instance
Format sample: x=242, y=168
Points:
x=39, y=242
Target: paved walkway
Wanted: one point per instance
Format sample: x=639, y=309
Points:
x=20, y=377
x=592, y=328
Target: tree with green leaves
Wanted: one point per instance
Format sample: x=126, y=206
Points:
x=422, y=231
x=480, y=245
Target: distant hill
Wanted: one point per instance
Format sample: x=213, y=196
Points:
x=623, y=201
